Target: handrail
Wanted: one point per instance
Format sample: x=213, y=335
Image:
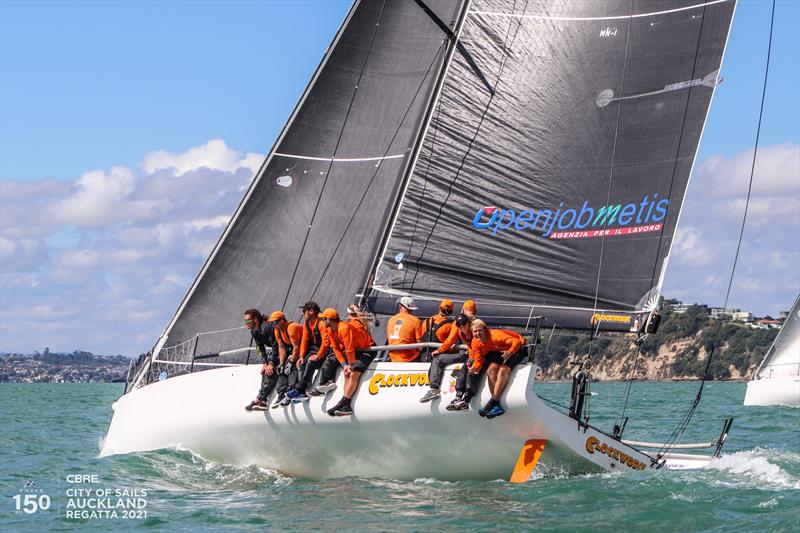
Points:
x=675, y=446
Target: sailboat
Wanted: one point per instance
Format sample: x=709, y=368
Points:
x=531, y=155
x=776, y=381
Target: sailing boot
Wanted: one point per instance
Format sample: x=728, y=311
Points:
x=496, y=411
x=483, y=411
x=430, y=395
x=256, y=405
x=332, y=410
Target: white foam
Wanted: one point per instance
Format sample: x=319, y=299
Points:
x=758, y=466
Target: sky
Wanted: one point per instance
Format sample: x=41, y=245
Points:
x=129, y=131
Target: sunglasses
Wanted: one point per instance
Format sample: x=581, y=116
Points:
x=275, y=322
x=248, y=321
x=446, y=310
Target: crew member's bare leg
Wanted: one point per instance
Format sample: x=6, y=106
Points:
x=351, y=384
x=492, y=373
x=501, y=380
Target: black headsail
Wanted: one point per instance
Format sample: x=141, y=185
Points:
x=310, y=224
x=556, y=189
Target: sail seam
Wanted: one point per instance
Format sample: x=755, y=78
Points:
x=410, y=172
x=261, y=171
x=506, y=52
x=612, y=17
x=375, y=174
x=338, y=143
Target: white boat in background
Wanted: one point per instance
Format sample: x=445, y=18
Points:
x=776, y=381
x=531, y=156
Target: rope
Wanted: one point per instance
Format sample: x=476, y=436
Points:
x=624, y=401
x=375, y=174
x=678, y=432
x=505, y=54
x=335, y=149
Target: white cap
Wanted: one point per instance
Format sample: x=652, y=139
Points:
x=408, y=302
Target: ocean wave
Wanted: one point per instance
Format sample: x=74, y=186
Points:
x=767, y=468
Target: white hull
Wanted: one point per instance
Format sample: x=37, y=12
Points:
x=773, y=391
x=391, y=434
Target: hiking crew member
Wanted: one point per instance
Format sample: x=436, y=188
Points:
x=500, y=350
x=267, y=347
x=432, y=328
x=311, y=357
x=457, y=332
x=346, y=338
x=289, y=336
x=404, y=328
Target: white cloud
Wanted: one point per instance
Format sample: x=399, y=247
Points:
x=108, y=256
x=214, y=155
x=768, y=268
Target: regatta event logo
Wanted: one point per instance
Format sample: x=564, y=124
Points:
x=577, y=223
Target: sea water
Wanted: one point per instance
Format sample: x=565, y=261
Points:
x=50, y=436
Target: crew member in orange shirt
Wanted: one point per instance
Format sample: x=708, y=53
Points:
x=457, y=332
x=346, y=339
x=497, y=350
x=312, y=358
x=403, y=328
x=433, y=328
x=289, y=336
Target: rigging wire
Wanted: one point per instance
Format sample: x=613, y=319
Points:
x=335, y=149
x=626, y=396
x=681, y=428
x=377, y=170
x=505, y=54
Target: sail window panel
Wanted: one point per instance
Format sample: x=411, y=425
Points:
x=542, y=146
x=366, y=106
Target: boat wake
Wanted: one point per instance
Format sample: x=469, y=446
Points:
x=766, y=468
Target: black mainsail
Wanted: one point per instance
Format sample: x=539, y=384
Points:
x=530, y=154
x=310, y=224
x=556, y=189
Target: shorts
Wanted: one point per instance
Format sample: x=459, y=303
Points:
x=514, y=360
x=363, y=360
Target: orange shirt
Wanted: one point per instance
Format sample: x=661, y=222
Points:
x=329, y=340
x=497, y=340
x=308, y=334
x=454, y=336
x=432, y=323
x=291, y=337
x=403, y=328
x=351, y=336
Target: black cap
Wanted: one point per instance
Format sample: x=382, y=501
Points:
x=462, y=320
x=310, y=305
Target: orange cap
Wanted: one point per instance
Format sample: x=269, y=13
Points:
x=276, y=315
x=470, y=305
x=330, y=312
x=447, y=304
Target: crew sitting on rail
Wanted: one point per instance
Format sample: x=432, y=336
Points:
x=313, y=357
x=499, y=350
x=267, y=347
x=433, y=328
x=456, y=332
x=289, y=336
x=403, y=328
x=346, y=338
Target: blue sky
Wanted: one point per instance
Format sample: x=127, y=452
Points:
x=99, y=100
